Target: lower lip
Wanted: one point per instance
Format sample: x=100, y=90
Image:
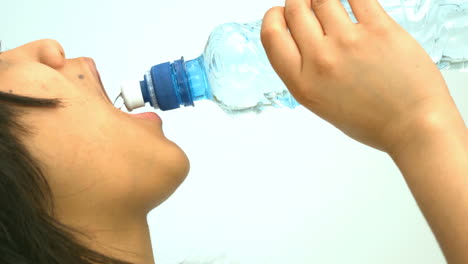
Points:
x=149, y=116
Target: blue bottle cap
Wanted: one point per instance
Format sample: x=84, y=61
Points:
x=164, y=86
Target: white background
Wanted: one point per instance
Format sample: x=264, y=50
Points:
x=281, y=187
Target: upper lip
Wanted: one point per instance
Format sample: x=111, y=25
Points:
x=92, y=65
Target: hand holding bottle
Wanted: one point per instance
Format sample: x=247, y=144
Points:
x=372, y=80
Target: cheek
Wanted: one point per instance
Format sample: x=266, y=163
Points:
x=67, y=143
x=35, y=80
x=119, y=160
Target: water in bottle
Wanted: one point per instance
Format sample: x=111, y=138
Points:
x=235, y=73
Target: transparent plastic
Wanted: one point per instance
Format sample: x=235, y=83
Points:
x=235, y=73
x=440, y=27
x=239, y=73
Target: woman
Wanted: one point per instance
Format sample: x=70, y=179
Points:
x=102, y=180
x=78, y=177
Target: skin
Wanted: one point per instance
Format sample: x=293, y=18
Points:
x=374, y=82
x=107, y=169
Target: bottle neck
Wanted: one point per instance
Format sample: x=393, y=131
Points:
x=169, y=85
x=198, y=79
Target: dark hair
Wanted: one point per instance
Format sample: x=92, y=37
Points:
x=29, y=233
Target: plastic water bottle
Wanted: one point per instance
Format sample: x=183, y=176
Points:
x=235, y=73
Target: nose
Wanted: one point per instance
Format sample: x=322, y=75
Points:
x=50, y=53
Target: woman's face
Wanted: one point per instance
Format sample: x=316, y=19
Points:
x=99, y=161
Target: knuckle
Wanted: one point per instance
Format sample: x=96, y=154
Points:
x=267, y=37
x=269, y=31
x=326, y=65
x=276, y=9
x=350, y=39
x=292, y=10
x=270, y=26
x=269, y=13
x=318, y=3
x=382, y=29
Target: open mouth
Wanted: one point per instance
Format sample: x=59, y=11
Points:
x=92, y=66
x=147, y=115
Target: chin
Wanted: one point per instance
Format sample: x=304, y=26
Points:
x=180, y=165
x=169, y=172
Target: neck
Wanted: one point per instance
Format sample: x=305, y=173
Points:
x=126, y=240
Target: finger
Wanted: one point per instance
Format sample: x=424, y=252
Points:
x=368, y=11
x=279, y=45
x=303, y=25
x=332, y=16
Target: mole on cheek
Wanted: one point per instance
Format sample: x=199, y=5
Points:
x=10, y=91
x=81, y=76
